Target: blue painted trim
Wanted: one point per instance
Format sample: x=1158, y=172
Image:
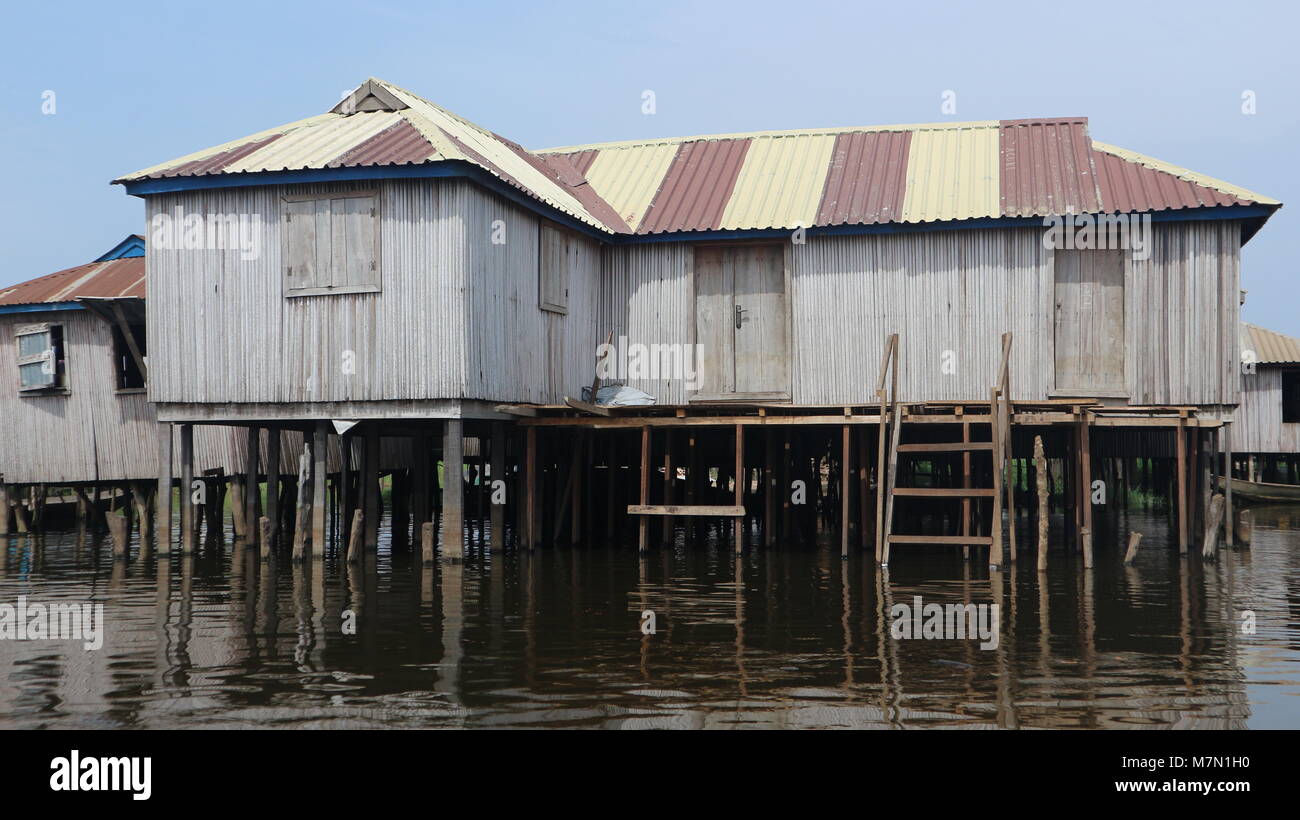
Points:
x=41, y=307
x=437, y=170
x=129, y=248
x=466, y=170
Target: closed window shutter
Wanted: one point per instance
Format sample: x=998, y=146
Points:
x=554, y=258
x=301, y=247
x=330, y=243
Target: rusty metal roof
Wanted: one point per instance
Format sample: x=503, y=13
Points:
x=934, y=172
x=1269, y=346
x=114, y=279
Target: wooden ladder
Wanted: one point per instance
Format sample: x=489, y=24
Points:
x=995, y=414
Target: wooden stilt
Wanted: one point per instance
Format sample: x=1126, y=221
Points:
x=319, y=449
x=577, y=482
x=738, y=527
x=995, y=550
x=1181, y=478
x=453, y=490
x=1227, y=487
x=846, y=488
x=769, y=487
x=373, y=508
x=421, y=473
x=532, y=529
x=252, y=492
x=498, y=466
x=1213, y=519
x=666, y=532
x=358, y=535
x=163, y=504
x=426, y=542
x=120, y=531
x=1040, y=475
x=1086, y=482
x=643, y=523
x=273, y=480
x=5, y=511
x=1134, y=538
x=187, y=488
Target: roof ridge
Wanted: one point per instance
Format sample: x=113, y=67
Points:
x=796, y=132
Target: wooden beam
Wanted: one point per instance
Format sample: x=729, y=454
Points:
x=125, y=329
x=587, y=407
x=701, y=510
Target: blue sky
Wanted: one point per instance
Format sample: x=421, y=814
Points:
x=139, y=83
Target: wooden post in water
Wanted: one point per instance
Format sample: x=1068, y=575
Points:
x=187, y=488
x=531, y=528
x=453, y=490
x=264, y=534
x=252, y=494
x=498, y=466
x=738, y=527
x=355, y=538
x=163, y=505
x=1181, y=485
x=421, y=472
x=846, y=475
x=1213, y=518
x=1040, y=477
x=120, y=531
x=1134, y=538
x=273, y=479
x=666, y=533
x=319, y=447
x=1227, y=487
x=5, y=513
x=426, y=543
x=1085, y=484
x=371, y=499
x=1086, y=538
x=1245, y=526
x=643, y=523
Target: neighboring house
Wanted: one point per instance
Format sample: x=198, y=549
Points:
x=1266, y=425
x=73, y=365
x=391, y=262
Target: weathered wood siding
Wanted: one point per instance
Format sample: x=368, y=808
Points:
x=950, y=295
x=91, y=433
x=457, y=316
x=1257, y=422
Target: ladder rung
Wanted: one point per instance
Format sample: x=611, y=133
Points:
x=945, y=492
x=977, y=540
x=947, y=447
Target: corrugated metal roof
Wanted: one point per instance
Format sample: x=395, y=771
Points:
x=1047, y=168
x=696, y=188
x=115, y=279
x=866, y=181
x=1269, y=347
x=952, y=173
x=1130, y=181
x=933, y=172
x=375, y=137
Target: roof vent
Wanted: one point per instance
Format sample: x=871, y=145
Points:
x=369, y=96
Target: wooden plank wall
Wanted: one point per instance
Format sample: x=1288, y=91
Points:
x=92, y=433
x=1257, y=423
x=956, y=291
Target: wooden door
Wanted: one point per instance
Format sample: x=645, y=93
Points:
x=1089, y=322
x=741, y=322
